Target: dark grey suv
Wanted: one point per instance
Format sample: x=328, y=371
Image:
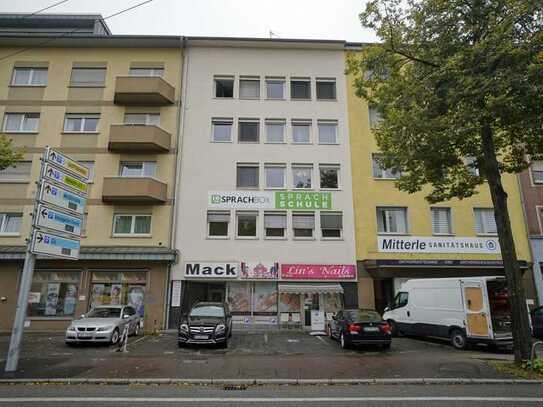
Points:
x=206, y=323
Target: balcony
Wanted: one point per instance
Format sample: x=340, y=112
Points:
x=134, y=190
x=143, y=90
x=138, y=138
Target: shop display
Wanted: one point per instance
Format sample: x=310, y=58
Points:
x=239, y=297
x=265, y=298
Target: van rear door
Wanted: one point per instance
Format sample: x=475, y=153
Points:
x=475, y=306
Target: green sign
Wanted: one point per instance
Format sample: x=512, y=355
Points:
x=303, y=200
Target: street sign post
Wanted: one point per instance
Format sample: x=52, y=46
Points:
x=56, y=229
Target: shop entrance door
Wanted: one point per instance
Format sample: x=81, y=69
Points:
x=216, y=293
x=311, y=302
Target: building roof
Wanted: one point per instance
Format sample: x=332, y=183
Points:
x=72, y=24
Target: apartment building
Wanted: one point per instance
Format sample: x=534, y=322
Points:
x=401, y=236
x=531, y=182
x=264, y=214
x=111, y=102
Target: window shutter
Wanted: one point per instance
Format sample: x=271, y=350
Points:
x=485, y=221
x=441, y=220
x=218, y=217
x=331, y=221
x=275, y=221
x=303, y=221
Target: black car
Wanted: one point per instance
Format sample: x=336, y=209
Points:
x=537, y=322
x=206, y=323
x=354, y=327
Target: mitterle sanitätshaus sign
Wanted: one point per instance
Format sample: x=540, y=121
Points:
x=270, y=200
x=422, y=244
x=318, y=272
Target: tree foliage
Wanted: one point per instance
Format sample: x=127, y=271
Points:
x=444, y=70
x=8, y=155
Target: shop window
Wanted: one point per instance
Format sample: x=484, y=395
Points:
x=392, y=220
x=239, y=298
x=249, y=131
x=88, y=77
x=29, y=77
x=10, y=223
x=441, y=221
x=247, y=176
x=327, y=132
x=131, y=225
x=326, y=89
x=246, y=224
x=53, y=294
x=81, y=123
x=21, y=122
x=301, y=131
x=380, y=172
x=222, y=130
x=217, y=223
x=275, y=88
x=224, y=87
x=303, y=225
x=142, y=119
x=301, y=176
x=249, y=88
x=265, y=298
x=331, y=225
x=329, y=176
x=119, y=288
x=275, y=224
x=300, y=88
x=275, y=131
x=146, y=72
x=485, y=222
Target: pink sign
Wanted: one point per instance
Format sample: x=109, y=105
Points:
x=318, y=271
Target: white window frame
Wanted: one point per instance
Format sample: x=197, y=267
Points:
x=302, y=122
x=273, y=122
x=336, y=167
x=84, y=117
x=3, y=222
x=144, y=166
x=283, y=167
x=276, y=213
x=386, y=173
x=90, y=84
x=91, y=166
x=220, y=78
x=483, y=232
x=308, y=213
x=30, y=77
x=219, y=120
x=153, y=72
x=325, y=80
x=393, y=208
x=218, y=237
x=133, y=225
x=247, y=212
x=327, y=123
x=304, y=166
x=325, y=213
x=24, y=117
x=450, y=219
x=248, y=165
x=250, y=79
x=276, y=79
x=147, y=122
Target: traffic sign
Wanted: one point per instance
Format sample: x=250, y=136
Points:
x=67, y=164
x=52, y=173
x=56, y=220
x=50, y=244
x=55, y=195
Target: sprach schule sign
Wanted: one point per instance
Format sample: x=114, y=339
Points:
x=420, y=244
x=200, y=269
x=270, y=200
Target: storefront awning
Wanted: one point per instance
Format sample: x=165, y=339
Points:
x=310, y=288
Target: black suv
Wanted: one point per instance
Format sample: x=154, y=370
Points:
x=206, y=323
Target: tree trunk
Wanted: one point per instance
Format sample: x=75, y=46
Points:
x=519, y=313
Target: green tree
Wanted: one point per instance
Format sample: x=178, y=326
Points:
x=459, y=86
x=8, y=155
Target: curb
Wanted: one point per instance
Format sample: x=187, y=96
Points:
x=251, y=382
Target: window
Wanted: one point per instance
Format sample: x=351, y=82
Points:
x=248, y=131
x=91, y=77
x=326, y=89
x=217, y=224
x=53, y=293
x=301, y=175
x=441, y=221
x=275, y=88
x=249, y=88
x=81, y=123
x=90, y=166
x=222, y=130
x=142, y=119
x=275, y=224
x=301, y=131
x=131, y=224
x=303, y=225
x=275, y=176
x=537, y=172
x=327, y=132
x=10, y=223
x=380, y=172
x=471, y=164
x=275, y=131
x=224, y=87
x=400, y=300
x=331, y=224
x=300, y=88
x=146, y=72
x=116, y=288
x=485, y=223
x=246, y=224
x=247, y=176
x=329, y=176
x=392, y=220
x=19, y=172
x=375, y=117
x=21, y=122
x=138, y=169
x=29, y=77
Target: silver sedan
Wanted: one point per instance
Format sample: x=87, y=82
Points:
x=104, y=324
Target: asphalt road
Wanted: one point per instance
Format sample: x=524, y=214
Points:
x=284, y=396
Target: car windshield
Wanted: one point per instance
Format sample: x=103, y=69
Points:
x=207, y=311
x=104, y=313
x=363, y=316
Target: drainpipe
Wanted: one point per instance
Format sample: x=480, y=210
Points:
x=181, y=103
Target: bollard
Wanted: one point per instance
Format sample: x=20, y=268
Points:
x=123, y=342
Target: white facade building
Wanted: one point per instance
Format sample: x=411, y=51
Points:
x=264, y=206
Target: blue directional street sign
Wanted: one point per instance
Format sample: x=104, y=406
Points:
x=62, y=198
x=50, y=244
x=59, y=221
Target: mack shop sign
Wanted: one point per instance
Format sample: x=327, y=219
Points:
x=422, y=244
x=270, y=200
x=199, y=269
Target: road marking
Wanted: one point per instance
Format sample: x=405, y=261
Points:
x=320, y=339
x=258, y=399
x=293, y=340
x=137, y=340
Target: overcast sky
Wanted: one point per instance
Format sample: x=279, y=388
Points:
x=322, y=19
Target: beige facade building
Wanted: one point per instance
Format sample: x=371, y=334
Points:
x=111, y=102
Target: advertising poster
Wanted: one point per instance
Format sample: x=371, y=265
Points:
x=136, y=296
x=34, y=297
x=116, y=294
x=332, y=302
x=289, y=302
x=97, y=294
x=51, y=300
x=239, y=297
x=265, y=298
x=260, y=270
x=70, y=299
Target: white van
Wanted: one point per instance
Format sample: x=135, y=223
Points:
x=467, y=310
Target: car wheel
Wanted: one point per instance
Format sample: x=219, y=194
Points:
x=458, y=339
x=224, y=345
x=394, y=328
x=230, y=332
x=329, y=331
x=385, y=346
x=115, y=337
x=180, y=344
x=137, y=329
x=343, y=341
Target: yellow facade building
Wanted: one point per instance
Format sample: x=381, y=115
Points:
x=389, y=223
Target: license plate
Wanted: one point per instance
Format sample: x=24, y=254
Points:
x=85, y=335
x=200, y=337
x=371, y=329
